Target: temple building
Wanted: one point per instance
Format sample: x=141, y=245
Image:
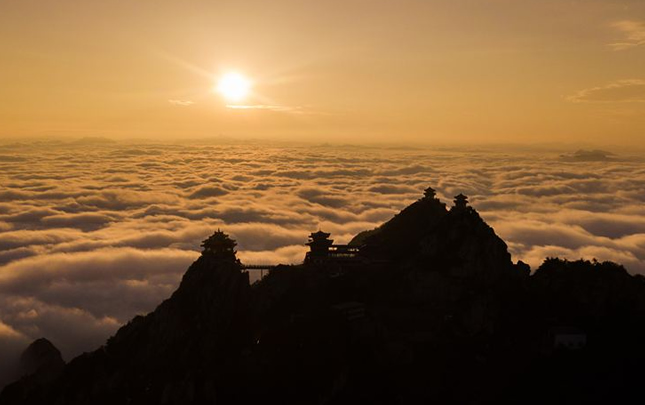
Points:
x=461, y=202
x=430, y=193
x=219, y=245
x=323, y=250
x=319, y=244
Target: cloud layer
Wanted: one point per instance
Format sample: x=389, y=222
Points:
x=92, y=234
x=621, y=91
x=633, y=34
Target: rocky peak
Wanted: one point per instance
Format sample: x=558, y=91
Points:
x=463, y=245
x=402, y=234
x=427, y=236
x=216, y=268
x=41, y=358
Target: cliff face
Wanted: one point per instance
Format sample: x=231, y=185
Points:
x=463, y=246
x=176, y=352
x=450, y=263
x=427, y=237
x=403, y=234
x=435, y=311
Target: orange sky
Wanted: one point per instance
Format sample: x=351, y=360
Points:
x=351, y=70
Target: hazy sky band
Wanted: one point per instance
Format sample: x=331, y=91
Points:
x=413, y=70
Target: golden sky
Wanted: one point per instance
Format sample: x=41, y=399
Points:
x=350, y=70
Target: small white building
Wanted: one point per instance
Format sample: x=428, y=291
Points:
x=568, y=338
x=352, y=311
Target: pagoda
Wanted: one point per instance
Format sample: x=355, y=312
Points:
x=219, y=245
x=319, y=244
x=461, y=202
x=430, y=193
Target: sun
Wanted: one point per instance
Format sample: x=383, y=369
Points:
x=233, y=87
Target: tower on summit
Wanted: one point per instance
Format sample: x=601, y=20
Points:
x=319, y=243
x=461, y=202
x=219, y=245
x=429, y=193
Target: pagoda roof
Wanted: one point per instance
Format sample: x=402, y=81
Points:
x=320, y=235
x=430, y=192
x=461, y=201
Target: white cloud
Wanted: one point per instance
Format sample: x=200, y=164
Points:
x=633, y=34
x=275, y=108
x=181, y=103
x=621, y=91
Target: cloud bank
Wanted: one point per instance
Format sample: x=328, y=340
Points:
x=93, y=234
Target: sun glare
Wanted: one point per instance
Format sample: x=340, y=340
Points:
x=233, y=87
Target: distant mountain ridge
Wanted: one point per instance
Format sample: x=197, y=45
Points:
x=583, y=155
x=431, y=309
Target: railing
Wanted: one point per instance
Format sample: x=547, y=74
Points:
x=345, y=249
x=258, y=266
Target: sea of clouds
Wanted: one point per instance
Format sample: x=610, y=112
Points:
x=93, y=233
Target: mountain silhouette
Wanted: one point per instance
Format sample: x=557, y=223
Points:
x=427, y=308
x=39, y=365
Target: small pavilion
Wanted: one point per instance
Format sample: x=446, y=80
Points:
x=319, y=243
x=430, y=193
x=461, y=202
x=219, y=244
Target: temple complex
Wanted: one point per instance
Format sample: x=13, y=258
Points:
x=323, y=250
